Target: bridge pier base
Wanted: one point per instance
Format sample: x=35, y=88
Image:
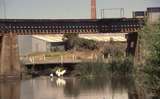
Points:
x=9, y=58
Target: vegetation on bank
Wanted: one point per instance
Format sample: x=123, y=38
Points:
x=114, y=63
x=72, y=41
x=148, y=69
x=115, y=67
x=111, y=57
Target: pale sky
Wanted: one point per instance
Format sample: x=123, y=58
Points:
x=68, y=9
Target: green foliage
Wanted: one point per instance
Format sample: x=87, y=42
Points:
x=123, y=67
x=150, y=42
x=53, y=70
x=114, y=50
x=152, y=67
x=87, y=44
x=72, y=41
x=91, y=69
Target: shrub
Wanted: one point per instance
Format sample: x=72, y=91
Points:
x=70, y=40
x=91, y=69
x=73, y=41
x=114, y=49
x=149, y=39
x=121, y=66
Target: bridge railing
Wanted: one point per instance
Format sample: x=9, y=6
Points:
x=73, y=58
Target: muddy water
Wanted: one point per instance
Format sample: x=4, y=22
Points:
x=68, y=88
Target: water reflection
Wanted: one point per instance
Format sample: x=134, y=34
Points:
x=69, y=88
x=72, y=88
x=98, y=88
x=60, y=82
x=10, y=90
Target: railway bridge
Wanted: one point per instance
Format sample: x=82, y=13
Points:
x=10, y=28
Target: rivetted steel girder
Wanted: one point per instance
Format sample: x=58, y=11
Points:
x=56, y=26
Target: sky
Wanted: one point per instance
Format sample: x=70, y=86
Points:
x=69, y=9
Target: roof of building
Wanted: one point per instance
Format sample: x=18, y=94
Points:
x=153, y=9
x=50, y=38
x=139, y=13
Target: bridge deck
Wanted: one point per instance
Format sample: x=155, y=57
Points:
x=52, y=26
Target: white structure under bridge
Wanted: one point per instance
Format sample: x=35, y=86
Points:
x=47, y=43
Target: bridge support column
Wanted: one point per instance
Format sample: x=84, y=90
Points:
x=131, y=43
x=9, y=60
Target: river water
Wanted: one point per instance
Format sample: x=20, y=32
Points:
x=68, y=88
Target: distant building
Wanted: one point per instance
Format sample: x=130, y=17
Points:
x=39, y=43
x=25, y=44
x=47, y=43
x=139, y=14
x=153, y=14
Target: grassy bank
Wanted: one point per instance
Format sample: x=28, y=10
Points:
x=118, y=67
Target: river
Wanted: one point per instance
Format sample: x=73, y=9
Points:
x=68, y=88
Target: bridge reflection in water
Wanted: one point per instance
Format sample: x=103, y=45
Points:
x=10, y=89
x=47, y=88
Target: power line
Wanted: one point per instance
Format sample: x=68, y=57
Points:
x=121, y=10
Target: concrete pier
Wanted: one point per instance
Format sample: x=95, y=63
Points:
x=9, y=58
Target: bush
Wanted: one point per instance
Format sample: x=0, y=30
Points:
x=114, y=49
x=91, y=69
x=73, y=41
x=87, y=44
x=121, y=66
x=149, y=39
x=113, y=52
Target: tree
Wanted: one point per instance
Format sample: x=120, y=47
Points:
x=149, y=39
x=72, y=41
x=114, y=49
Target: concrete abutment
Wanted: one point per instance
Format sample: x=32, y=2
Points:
x=9, y=58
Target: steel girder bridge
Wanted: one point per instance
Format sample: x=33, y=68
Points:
x=10, y=28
